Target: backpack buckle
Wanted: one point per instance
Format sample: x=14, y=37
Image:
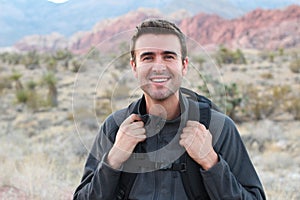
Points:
x=179, y=167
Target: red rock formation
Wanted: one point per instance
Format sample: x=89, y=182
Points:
x=259, y=29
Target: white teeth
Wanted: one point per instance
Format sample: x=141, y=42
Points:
x=159, y=80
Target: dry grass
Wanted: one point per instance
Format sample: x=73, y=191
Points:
x=42, y=156
x=34, y=169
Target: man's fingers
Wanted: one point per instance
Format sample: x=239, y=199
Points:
x=132, y=118
x=135, y=117
x=190, y=123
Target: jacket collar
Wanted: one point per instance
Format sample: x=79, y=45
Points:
x=139, y=107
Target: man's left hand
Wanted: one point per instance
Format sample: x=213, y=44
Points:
x=197, y=141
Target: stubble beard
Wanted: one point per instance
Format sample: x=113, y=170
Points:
x=161, y=94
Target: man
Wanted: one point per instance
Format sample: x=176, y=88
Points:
x=151, y=136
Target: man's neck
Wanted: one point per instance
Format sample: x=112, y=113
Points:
x=168, y=109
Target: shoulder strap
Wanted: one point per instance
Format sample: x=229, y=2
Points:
x=200, y=111
x=192, y=179
x=127, y=179
x=197, y=97
x=126, y=182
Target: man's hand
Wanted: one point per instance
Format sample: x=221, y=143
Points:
x=130, y=133
x=197, y=141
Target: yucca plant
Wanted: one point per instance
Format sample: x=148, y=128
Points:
x=50, y=80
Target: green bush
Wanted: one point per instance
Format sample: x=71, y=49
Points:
x=226, y=56
x=50, y=80
x=263, y=102
x=259, y=104
x=230, y=92
x=295, y=65
x=5, y=82
x=292, y=105
x=22, y=96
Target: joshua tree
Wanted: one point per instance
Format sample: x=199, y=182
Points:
x=50, y=80
x=16, y=77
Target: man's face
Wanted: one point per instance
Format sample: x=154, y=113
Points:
x=158, y=66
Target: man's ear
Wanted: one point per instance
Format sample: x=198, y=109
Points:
x=185, y=66
x=133, y=67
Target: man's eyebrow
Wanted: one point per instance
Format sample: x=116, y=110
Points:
x=170, y=52
x=147, y=53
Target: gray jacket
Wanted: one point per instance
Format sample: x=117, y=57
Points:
x=233, y=177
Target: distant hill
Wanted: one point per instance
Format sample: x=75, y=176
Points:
x=258, y=29
x=19, y=18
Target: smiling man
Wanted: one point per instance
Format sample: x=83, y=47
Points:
x=156, y=148
x=159, y=68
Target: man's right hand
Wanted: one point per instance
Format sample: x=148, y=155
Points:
x=130, y=133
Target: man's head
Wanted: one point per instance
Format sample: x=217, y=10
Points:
x=158, y=26
x=159, y=59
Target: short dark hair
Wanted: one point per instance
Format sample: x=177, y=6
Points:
x=158, y=26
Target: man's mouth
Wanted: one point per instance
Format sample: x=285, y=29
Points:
x=159, y=80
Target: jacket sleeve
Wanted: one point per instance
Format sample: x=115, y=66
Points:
x=99, y=180
x=234, y=176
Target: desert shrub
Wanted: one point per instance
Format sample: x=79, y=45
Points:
x=295, y=65
x=227, y=56
x=51, y=63
x=281, y=51
x=122, y=62
x=267, y=55
x=292, y=105
x=11, y=58
x=267, y=75
x=103, y=108
x=199, y=60
x=94, y=54
x=62, y=54
x=31, y=85
x=264, y=102
x=230, y=91
x=22, y=96
x=75, y=65
x=50, y=80
x=5, y=83
x=31, y=60
x=271, y=57
x=259, y=105
x=16, y=76
x=233, y=99
x=30, y=96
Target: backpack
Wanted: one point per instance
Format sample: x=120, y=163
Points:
x=188, y=168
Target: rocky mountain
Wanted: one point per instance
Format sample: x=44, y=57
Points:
x=258, y=29
x=19, y=18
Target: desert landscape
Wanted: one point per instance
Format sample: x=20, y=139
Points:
x=53, y=98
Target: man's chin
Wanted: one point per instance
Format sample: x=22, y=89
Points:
x=160, y=95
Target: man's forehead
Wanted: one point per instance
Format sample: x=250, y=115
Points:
x=157, y=40
x=158, y=43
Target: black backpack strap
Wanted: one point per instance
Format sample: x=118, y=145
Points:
x=197, y=97
x=192, y=179
x=201, y=112
x=126, y=182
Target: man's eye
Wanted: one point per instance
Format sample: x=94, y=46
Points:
x=147, y=58
x=170, y=57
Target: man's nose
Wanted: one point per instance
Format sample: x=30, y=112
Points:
x=159, y=65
